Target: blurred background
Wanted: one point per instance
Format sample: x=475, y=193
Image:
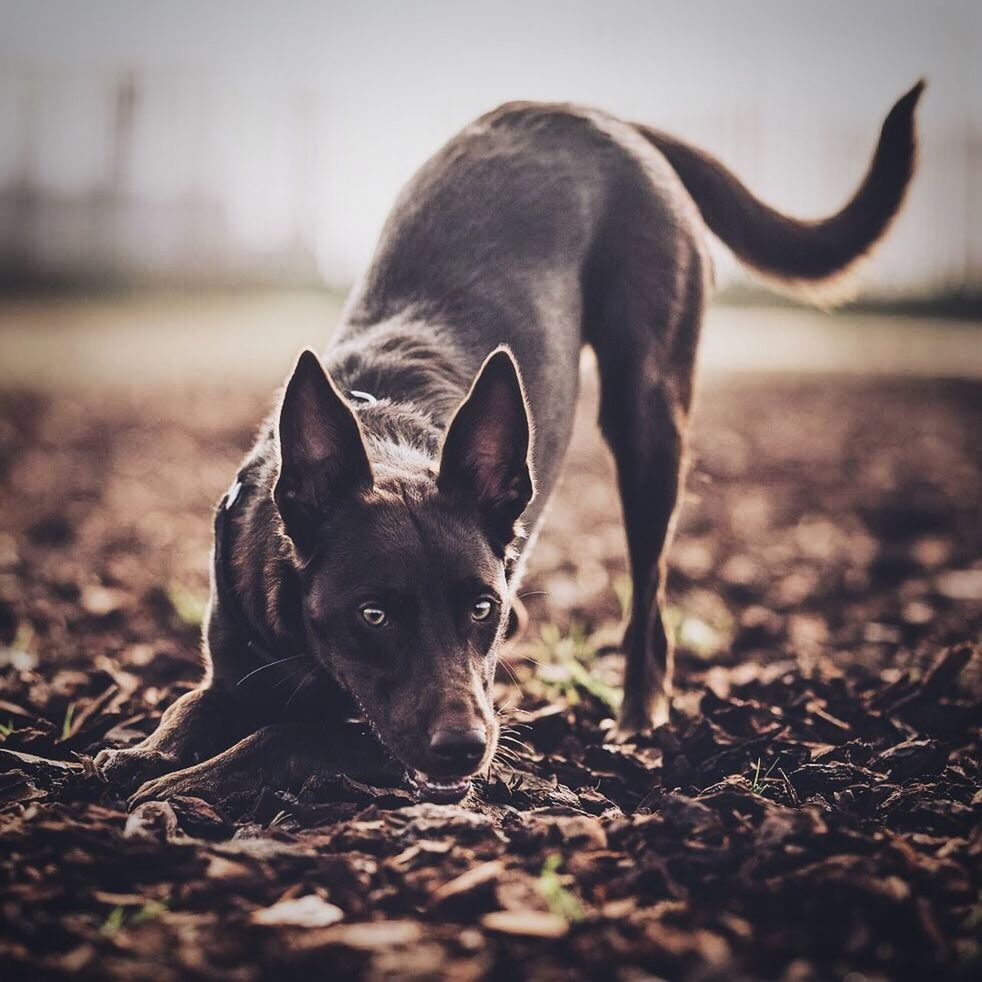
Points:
x=227, y=142
x=228, y=165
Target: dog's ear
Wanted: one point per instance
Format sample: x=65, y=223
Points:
x=322, y=454
x=487, y=450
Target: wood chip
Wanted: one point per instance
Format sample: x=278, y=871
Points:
x=308, y=911
x=526, y=923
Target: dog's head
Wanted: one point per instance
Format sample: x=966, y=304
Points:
x=402, y=562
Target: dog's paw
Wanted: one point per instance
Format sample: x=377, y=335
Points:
x=130, y=767
x=163, y=788
x=635, y=722
x=212, y=780
x=627, y=732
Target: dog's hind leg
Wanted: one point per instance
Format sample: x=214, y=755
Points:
x=645, y=345
x=649, y=452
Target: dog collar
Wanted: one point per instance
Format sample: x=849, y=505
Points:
x=230, y=607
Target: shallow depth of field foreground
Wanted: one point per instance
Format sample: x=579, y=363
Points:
x=811, y=811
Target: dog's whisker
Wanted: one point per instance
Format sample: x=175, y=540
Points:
x=506, y=757
x=500, y=661
x=272, y=664
x=511, y=672
x=290, y=677
x=515, y=759
x=518, y=725
x=507, y=712
x=517, y=746
x=504, y=747
x=514, y=730
x=513, y=740
x=520, y=655
x=310, y=674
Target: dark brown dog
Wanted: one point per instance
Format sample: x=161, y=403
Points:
x=368, y=553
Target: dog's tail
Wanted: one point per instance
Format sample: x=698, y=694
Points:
x=814, y=259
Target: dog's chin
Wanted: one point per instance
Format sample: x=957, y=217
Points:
x=441, y=792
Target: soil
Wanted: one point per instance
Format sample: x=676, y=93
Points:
x=811, y=812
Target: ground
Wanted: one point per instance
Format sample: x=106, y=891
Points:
x=811, y=812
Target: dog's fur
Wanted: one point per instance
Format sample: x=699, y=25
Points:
x=539, y=228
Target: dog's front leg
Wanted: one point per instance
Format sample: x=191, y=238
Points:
x=280, y=756
x=198, y=725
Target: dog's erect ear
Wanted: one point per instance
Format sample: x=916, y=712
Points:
x=486, y=452
x=322, y=454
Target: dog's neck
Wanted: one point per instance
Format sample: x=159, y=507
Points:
x=412, y=368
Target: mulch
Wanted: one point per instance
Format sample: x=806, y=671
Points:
x=812, y=811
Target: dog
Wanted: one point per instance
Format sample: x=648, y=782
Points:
x=368, y=552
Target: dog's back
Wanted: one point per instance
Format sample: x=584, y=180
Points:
x=536, y=222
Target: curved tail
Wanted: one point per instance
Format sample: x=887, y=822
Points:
x=812, y=257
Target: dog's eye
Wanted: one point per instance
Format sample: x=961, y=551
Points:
x=481, y=610
x=373, y=615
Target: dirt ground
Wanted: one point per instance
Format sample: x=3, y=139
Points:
x=811, y=812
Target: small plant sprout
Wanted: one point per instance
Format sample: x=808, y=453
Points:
x=563, y=662
x=121, y=917
x=552, y=887
x=66, y=726
x=760, y=781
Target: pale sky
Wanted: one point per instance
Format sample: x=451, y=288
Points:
x=378, y=86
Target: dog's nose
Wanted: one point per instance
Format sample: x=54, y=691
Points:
x=458, y=751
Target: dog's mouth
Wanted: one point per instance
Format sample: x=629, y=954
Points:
x=444, y=791
x=441, y=791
